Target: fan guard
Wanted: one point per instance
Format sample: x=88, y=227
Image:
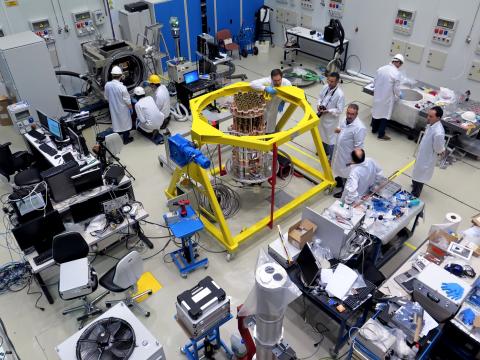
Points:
x=107, y=339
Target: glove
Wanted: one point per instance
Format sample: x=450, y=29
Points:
x=401, y=95
x=130, y=111
x=468, y=316
x=453, y=290
x=281, y=106
x=270, y=90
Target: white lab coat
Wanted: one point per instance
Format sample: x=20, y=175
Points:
x=362, y=177
x=386, y=91
x=162, y=99
x=118, y=100
x=149, y=117
x=271, y=110
x=432, y=144
x=351, y=136
x=334, y=101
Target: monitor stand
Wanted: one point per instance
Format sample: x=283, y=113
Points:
x=60, y=144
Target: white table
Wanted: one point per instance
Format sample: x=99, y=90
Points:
x=57, y=159
x=317, y=39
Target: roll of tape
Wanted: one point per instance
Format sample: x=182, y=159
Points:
x=453, y=219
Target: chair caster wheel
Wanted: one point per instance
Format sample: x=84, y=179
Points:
x=108, y=305
x=147, y=314
x=150, y=292
x=184, y=276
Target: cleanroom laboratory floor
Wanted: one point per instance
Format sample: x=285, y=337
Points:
x=35, y=333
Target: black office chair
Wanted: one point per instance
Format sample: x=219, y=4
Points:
x=67, y=247
x=18, y=163
x=123, y=277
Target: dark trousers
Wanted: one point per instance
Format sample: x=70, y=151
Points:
x=328, y=150
x=340, y=182
x=417, y=188
x=125, y=135
x=379, y=125
x=144, y=133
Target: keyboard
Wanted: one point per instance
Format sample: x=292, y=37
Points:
x=58, y=169
x=48, y=149
x=354, y=301
x=43, y=257
x=35, y=134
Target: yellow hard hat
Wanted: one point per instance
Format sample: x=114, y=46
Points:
x=154, y=79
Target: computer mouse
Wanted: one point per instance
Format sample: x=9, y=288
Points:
x=56, y=156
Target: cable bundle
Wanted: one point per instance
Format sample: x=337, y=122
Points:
x=228, y=199
x=14, y=276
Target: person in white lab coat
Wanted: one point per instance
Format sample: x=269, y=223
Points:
x=120, y=105
x=331, y=102
x=432, y=145
x=149, y=118
x=162, y=98
x=386, y=90
x=275, y=105
x=364, y=173
x=351, y=135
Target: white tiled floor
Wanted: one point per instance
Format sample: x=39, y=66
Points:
x=35, y=332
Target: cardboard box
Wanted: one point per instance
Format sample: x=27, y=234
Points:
x=476, y=220
x=301, y=233
x=4, y=116
x=439, y=241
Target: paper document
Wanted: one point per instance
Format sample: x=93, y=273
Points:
x=341, y=282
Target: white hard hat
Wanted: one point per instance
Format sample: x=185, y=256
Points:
x=398, y=57
x=116, y=70
x=469, y=116
x=139, y=91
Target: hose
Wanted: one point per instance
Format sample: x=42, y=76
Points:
x=178, y=112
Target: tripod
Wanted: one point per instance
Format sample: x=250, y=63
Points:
x=102, y=157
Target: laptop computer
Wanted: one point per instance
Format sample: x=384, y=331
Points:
x=191, y=77
x=309, y=267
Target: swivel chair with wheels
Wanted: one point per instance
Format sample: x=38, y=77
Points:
x=123, y=277
x=224, y=38
x=77, y=278
x=19, y=165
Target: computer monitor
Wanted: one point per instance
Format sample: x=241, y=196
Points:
x=213, y=50
x=69, y=103
x=59, y=180
x=43, y=119
x=191, y=77
x=87, y=180
x=78, y=142
x=308, y=265
x=37, y=234
x=55, y=128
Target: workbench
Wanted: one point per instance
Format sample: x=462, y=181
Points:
x=305, y=38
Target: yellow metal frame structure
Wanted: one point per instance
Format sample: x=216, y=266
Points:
x=203, y=133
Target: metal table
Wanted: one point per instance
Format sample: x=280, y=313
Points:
x=304, y=34
x=321, y=302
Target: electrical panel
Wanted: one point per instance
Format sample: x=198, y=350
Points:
x=397, y=47
x=414, y=53
x=474, y=73
x=42, y=28
x=335, y=8
x=307, y=4
x=98, y=17
x=436, y=59
x=404, y=21
x=83, y=23
x=306, y=21
x=291, y=17
x=443, y=31
x=280, y=15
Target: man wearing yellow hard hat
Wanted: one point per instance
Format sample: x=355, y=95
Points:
x=161, y=97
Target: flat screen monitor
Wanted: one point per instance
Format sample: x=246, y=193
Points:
x=55, y=128
x=38, y=233
x=78, y=142
x=43, y=120
x=191, y=77
x=87, y=180
x=69, y=103
x=308, y=265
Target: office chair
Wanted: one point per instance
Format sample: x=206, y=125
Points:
x=67, y=248
x=223, y=35
x=290, y=47
x=123, y=277
x=18, y=164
